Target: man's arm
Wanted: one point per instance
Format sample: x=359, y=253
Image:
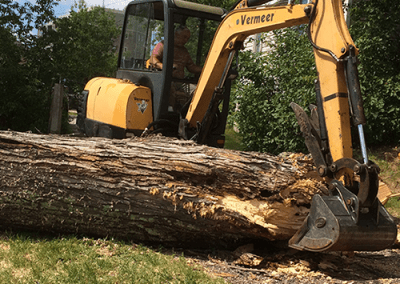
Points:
x=193, y=68
x=157, y=56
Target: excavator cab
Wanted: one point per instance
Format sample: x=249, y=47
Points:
x=143, y=98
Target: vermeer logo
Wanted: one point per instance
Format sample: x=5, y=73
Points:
x=245, y=20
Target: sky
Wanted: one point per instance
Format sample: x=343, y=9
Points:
x=64, y=6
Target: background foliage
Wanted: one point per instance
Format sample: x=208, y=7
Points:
x=376, y=30
x=79, y=49
x=209, y=31
x=23, y=88
x=271, y=81
x=83, y=46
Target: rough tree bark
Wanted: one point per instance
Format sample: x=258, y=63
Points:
x=172, y=192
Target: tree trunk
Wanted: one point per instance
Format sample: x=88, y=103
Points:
x=162, y=190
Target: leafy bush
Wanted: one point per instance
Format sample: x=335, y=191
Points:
x=270, y=83
x=376, y=32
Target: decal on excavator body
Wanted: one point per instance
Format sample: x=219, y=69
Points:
x=245, y=20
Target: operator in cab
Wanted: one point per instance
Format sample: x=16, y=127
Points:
x=182, y=57
x=179, y=95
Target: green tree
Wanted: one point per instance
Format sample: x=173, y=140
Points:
x=375, y=28
x=80, y=48
x=24, y=97
x=270, y=82
x=83, y=46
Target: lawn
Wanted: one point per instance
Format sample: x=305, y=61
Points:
x=28, y=258
x=233, y=140
x=388, y=159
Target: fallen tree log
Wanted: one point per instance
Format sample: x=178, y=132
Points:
x=162, y=190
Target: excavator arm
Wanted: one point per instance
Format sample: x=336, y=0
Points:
x=351, y=218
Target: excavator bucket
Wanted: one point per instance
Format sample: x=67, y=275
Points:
x=337, y=223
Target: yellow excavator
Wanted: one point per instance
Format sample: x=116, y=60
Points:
x=139, y=101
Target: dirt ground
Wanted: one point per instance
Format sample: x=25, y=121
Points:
x=252, y=264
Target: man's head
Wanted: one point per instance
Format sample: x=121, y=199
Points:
x=182, y=35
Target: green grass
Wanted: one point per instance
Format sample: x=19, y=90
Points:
x=27, y=259
x=233, y=140
x=393, y=206
x=388, y=159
